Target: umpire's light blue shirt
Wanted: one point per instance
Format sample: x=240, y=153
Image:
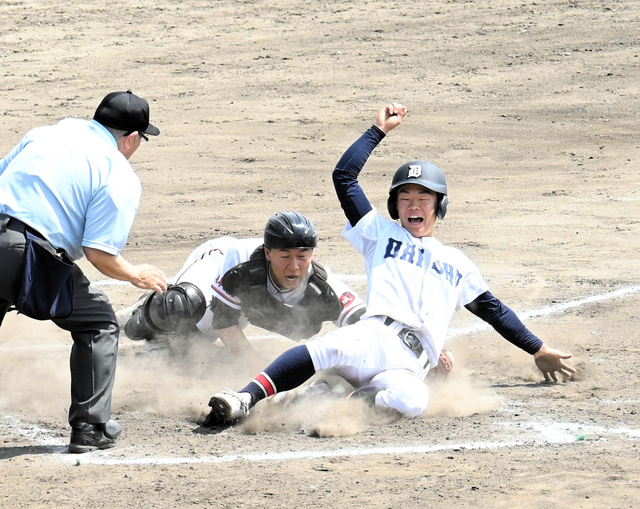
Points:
x=70, y=183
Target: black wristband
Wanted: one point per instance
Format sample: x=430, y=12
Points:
x=380, y=131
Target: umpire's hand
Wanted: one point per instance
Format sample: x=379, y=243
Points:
x=143, y=276
x=150, y=278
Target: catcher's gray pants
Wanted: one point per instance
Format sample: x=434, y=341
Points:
x=92, y=324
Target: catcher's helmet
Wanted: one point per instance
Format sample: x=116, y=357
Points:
x=424, y=174
x=290, y=230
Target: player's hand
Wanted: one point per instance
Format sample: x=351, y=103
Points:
x=149, y=277
x=444, y=366
x=390, y=117
x=551, y=361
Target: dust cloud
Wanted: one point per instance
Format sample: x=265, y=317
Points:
x=324, y=415
x=330, y=415
x=460, y=395
x=34, y=369
x=35, y=380
x=180, y=382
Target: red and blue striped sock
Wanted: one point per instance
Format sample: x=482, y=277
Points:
x=290, y=370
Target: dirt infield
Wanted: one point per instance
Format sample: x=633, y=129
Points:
x=530, y=108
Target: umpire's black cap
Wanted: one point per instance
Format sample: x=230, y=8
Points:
x=125, y=111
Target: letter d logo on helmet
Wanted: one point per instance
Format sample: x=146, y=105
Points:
x=290, y=230
x=415, y=171
x=424, y=174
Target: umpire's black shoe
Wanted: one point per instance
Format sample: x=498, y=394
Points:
x=87, y=437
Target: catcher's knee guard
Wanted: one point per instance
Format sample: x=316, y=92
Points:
x=178, y=310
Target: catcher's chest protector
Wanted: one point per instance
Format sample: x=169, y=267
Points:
x=319, y=303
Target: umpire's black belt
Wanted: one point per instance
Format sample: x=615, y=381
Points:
x=410, y=339
x=18, y=226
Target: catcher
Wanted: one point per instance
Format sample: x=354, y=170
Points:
x=227, y=283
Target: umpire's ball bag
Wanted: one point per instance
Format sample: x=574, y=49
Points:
x=47, y=289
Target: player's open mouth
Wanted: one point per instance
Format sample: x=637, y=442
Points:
x=291, y=279
x=415, y=220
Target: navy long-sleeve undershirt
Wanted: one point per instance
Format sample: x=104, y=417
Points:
x=345, y=175
x=356, y=205
x=504, y=321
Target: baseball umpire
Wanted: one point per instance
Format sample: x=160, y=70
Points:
x=227, y=283
x=68, y=191
x=415, y=284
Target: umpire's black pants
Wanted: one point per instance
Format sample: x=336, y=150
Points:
x=92, y=324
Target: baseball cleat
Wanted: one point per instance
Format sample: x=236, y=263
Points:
x=228, y=407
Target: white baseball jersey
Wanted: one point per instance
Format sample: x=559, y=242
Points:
x=418, y=282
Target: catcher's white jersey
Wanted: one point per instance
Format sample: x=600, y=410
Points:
x=208, y=262
x=418, y=282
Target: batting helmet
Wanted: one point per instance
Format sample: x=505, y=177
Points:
x=290, y=230
x=424, y=174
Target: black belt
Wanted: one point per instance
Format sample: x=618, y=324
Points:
x=18, y=226
x=410, y=339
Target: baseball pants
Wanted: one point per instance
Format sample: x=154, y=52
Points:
x=369, y=354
